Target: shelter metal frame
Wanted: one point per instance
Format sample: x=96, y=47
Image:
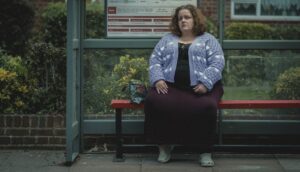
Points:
x=77, y=43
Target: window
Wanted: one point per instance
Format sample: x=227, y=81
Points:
x=265, y=9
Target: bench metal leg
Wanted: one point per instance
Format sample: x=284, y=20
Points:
x=220, y=129
x=119, y=145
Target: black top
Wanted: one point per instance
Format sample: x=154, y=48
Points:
x=182, y=73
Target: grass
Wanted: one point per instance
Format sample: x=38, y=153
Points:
x=246, y=93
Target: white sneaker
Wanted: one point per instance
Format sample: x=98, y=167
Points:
x=164, y=153
x=205, y=160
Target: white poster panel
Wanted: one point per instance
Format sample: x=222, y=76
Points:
x=140, y=18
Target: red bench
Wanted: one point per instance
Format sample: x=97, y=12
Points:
x=119, y=105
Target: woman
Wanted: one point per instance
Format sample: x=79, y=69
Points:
x=185, y=72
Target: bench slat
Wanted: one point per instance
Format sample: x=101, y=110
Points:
x=125, y=104
x=225, y=104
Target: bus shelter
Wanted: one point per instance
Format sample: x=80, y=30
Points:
x=84, y=50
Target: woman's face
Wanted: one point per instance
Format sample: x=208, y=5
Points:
x=185, y=21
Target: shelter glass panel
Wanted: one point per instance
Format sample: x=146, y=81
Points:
x=262, y=75
x=106, y=76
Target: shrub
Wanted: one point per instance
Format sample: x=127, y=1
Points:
x=103, y=86
x=131, y=68
x=16, y=89
x=47, y=65
x=290, y=32
x=16, y=21
x=54, y=24
x=254, y=31
x=279, y=61
x=287, y=85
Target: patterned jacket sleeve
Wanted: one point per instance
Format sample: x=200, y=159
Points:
x=215, y=61
x=156, y=63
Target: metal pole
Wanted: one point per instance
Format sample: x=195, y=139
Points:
x=221, y=21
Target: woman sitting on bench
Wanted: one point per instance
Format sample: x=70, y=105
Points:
x=185, y=72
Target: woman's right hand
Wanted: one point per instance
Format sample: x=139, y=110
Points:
x=161, y=87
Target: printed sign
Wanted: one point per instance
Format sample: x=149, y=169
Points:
x=140, y=18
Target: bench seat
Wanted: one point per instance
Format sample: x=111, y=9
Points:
x=120, y=104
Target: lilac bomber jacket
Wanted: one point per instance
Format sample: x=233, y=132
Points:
x=206, y=60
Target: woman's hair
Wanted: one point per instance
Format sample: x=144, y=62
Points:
x=199, y=20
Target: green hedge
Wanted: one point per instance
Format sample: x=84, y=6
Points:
x=241, y=30
x=286, y=31
x=256, y=31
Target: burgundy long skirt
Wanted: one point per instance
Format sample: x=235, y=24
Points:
x=181, y=116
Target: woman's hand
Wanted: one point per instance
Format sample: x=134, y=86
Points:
x=200, y=89
x=161, y=87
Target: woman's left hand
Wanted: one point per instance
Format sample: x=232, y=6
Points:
x=200, y=89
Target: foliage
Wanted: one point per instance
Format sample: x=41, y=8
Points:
x=287, y=85
x=97, y=77
x=47, y=65
x=277, y=61
x=287, y=32
x=101, y=85
x=254, y=31
x=131, y=68
x=54, y=24
x=16, y=89
x=246, y=71
x=16, y=21
x=95, y=25
x=39, y=78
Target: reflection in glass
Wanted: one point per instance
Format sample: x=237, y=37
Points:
x=280, y=8
x=245, y=9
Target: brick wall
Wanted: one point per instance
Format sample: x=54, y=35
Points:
x=32, y=131
x=210, y=10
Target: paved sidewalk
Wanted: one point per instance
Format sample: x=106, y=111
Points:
x=53, y=161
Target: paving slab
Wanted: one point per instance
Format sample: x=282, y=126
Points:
x=31, y=161
x=178, y=163
x=104, y=162
x=246, y=163
x=290, y=163
x=49, y=161
x=34, y=158
x=4, y=155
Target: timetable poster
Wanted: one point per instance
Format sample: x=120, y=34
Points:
x=140, y=18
